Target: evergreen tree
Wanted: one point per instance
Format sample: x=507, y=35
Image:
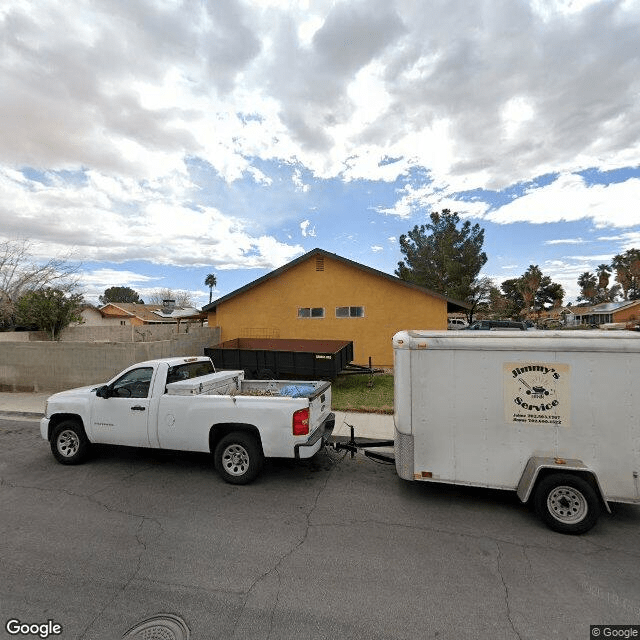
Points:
x=443, y=257
x=120, y=294
x=49, y=309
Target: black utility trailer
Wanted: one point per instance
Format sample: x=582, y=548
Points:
x=263, y=358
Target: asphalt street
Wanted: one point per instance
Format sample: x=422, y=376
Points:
x=333, y=547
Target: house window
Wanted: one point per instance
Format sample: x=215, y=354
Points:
x=311, y=312
x=349, y=312
x=123, y=323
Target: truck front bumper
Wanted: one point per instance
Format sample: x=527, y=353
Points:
x=317, y=439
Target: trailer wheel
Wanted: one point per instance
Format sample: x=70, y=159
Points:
x=567, y=503
x=238, y=458
x=69, y=443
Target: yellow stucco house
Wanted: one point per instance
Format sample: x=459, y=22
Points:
x=321, y=295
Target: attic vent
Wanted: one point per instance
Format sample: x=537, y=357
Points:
x=320, y=263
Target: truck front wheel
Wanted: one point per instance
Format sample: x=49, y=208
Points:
x=238, y=458
x=69, y=444
x=567, y=503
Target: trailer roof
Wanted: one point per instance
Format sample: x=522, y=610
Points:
x=612, y=341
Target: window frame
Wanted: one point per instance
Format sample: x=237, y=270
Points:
x=350, y=314
x=311, y=316
x=129, y=380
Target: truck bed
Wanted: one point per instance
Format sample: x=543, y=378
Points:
x=233, y=383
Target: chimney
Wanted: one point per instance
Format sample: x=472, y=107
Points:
x=168, y=306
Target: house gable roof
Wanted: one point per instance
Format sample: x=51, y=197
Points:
x=605, y=307
x=452, y=305
x=148, y=313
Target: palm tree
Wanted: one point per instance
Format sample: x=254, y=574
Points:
x=210, y=281
x=603, y=272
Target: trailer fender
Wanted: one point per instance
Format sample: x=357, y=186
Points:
x=537, y=464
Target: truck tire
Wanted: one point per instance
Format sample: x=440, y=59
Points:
x=567, y=503
x=238, y=458
x=69, y=443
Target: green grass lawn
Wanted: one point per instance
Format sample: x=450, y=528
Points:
x=353, y=393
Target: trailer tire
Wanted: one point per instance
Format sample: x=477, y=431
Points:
x=69, y=443
x=567, y=503
x=238, y=458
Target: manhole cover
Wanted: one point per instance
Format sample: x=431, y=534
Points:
x=163, y=626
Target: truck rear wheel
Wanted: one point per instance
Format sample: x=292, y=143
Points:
x=238, y=458
x=567, y=503
x=69, y=443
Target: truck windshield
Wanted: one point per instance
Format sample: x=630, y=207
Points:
x=189, y=370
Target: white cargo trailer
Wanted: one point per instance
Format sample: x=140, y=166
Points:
x=553, y=415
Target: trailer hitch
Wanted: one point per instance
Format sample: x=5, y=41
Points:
x=352, y=446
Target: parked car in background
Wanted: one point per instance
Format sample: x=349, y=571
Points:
x=457, y=323
x=550, y=323
x=497, y=325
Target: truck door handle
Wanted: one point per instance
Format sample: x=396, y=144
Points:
x=137, y=408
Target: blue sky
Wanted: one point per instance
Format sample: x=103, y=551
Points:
x=162, y=140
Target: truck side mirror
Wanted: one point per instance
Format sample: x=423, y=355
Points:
x=103, y=392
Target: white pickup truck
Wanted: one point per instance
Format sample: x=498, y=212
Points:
x=184, y=404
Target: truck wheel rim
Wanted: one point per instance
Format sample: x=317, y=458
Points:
x=68, y=443
x=235, y=460
x=567, y=505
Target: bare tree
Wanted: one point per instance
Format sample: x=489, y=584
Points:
x=21, y=273
x=182, y=298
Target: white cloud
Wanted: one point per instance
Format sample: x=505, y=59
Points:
x=430, y=198
x=377, y=248
x=569, y=198
x=307, y=230
x=565, y=241
x=298, y=182
x=94, y=283
x=115, y=278
x=114, y=103
x=120, y=219
x=338, y=86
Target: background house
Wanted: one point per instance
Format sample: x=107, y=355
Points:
x=324, y=296
x=625, y=311
x=130, y=314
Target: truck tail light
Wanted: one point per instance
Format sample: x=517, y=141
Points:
x=301, y=422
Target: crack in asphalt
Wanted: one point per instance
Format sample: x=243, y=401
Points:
x=140, y=538
x=150, y=529
x=505, y=586
x=132, y=577
x=294, y=547
x=598, y=548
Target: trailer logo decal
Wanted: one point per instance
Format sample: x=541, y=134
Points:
x=536, y=393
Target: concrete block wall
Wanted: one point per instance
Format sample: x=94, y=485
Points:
x=128, y=333
x=55, y=366
x=105, y=333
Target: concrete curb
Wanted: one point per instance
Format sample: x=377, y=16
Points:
x=21, y=414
